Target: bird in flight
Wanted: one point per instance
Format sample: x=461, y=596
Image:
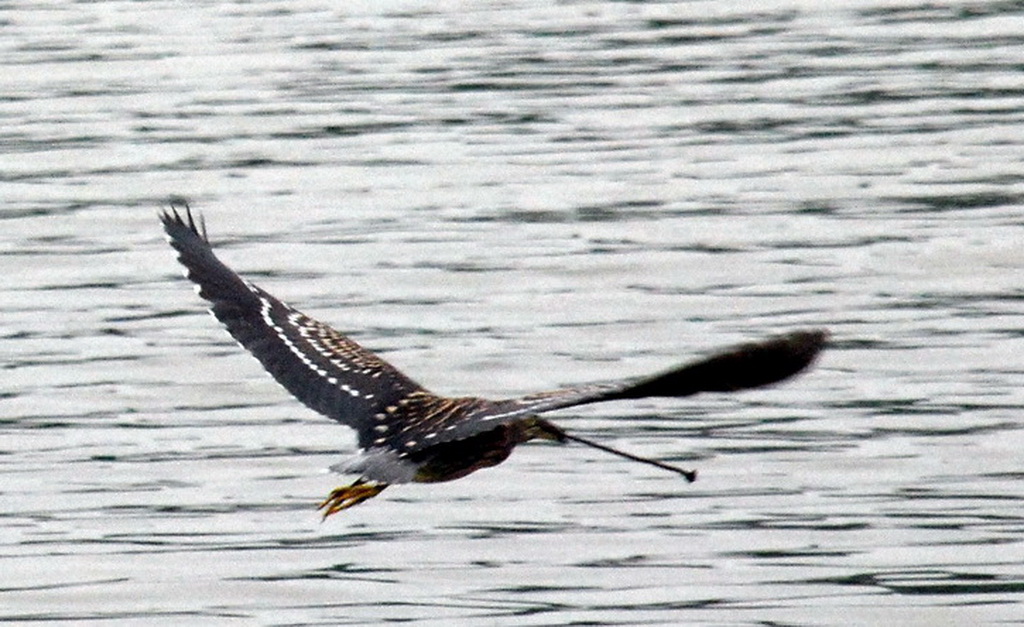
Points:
x=409, y=434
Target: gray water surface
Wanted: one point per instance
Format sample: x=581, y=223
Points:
x=503, y=197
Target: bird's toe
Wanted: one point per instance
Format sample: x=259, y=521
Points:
x=347, y=496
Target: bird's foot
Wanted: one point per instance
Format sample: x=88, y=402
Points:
x=347, y=496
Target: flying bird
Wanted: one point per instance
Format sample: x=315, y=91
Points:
x=407, y=433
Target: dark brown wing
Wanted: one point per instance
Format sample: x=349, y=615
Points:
x=325, y=370
x=742, y=367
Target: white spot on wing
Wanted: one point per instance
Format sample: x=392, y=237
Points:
x=294, y=319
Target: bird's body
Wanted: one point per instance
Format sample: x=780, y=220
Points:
x=408, y=434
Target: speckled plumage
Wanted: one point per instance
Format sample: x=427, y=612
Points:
x=406, y=433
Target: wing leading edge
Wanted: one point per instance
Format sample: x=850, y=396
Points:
x=325, y=370
x=742, y=367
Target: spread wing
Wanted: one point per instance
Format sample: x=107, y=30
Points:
x=333, y=375
x=325, y=370
x=742, y=367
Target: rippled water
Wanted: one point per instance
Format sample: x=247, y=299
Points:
x=502, y=197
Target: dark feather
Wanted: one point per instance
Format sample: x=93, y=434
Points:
x=742, y=367
x=324, y=369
